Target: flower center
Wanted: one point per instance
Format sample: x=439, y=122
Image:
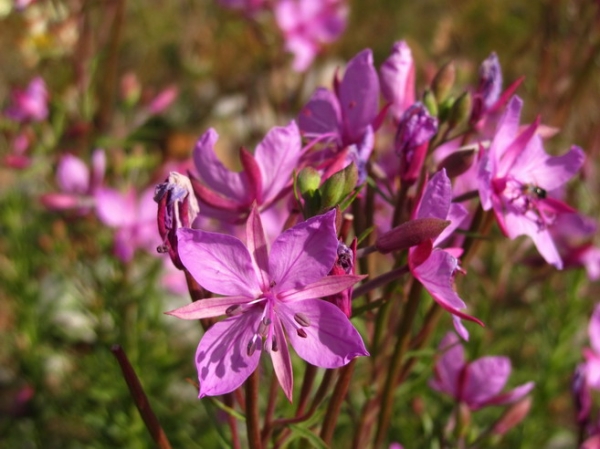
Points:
x=527, y=199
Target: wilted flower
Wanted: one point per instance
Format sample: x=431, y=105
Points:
x=266, y=292
x=478, y=383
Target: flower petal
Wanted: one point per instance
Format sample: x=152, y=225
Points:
x=594, y=329
x=220, y=263
x=207, y=308
x=511, y=396
x=321, y=115
x=222, y=356
x=257, y=246
x=304, y=254
x=72, y=175
x=281, y=359
x=329, y=285
x=277, y=156
x=449, y=366
x=437, y=197
x=331, y=340
x=214, y=174
x=115, y=209
x=483, y=379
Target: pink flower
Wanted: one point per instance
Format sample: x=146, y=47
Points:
x=266, y=177
x=307, y=25
x=133, y=218
x=592, y=355
x=266, y=291
x=478, y=383
x=435, y=267
x=30, y=104
x=397, y=77
x=515, y=176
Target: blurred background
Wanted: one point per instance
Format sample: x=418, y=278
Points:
x=143, y=80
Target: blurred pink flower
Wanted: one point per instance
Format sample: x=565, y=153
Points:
x=30, y=104
x=592, y=355
x=307, y=25
x=76, y=182
x=133, y=218
x=478, y=383
x=163, y=100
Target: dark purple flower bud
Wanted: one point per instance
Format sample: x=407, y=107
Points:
x=415, y=129
x=344, y=264
x=177, y=208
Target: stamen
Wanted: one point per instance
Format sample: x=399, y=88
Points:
x=302, y=319
x=162, y=249
x=301, y=332
x=233, y=310
x=251, y=347
x=274, y=345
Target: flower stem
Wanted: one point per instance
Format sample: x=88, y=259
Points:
x=387, y=395
x=141, y=400
x=252, y=415
x=335, y=403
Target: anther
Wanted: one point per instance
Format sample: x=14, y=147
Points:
x=274, y=345
x=302, y=319
x=162, y=249
x=233, y=310
x=301, y=332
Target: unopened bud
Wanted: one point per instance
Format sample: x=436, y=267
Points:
x=177, y=208
x=461, y=110
x=410, y=233
x=458, y=162
x=430, y=103
x=338, y=186
x=443, y=81
x=309, y=180
x=512, y=416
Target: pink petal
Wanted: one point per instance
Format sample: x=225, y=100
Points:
x=437, y=197
x=511, y=396
x=222, y=357
x=72, y=175
x=321, y=115
x=115, y=209
x=331, y=340
x=549, y=172
x=257, y=246
x=281, y=359
x=594, y=329
x=214, y=174
x=449, y=366
x=220, y=263
x=483, y=379
x=507, y=129
x=329, y=285
x=208, y=308
x=277, y=157
x=359, y=96
x=304, y=254
x=397, y=77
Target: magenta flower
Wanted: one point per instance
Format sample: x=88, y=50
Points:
x=266, y=292
x=515, y=176
x=397, y=76
x=592, y=355
x=478, y=383
x=348, y=114
x=266, y=177
x=134, y=220
x=435, y=267
x=307, y=25
x=76, y=182
x=30, y=104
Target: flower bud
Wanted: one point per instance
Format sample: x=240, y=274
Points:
x=338, y=186
x=458, y=162
x=410, y=233
x=489, y=87
x=461, y=110
x=415, y=129
x=443, y=81
x=512, y=416
x=177, y=208
x=430, y=103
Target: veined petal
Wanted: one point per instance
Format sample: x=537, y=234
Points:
x=436, y=275
x=304, y=254
x=220, y=263
x=483, y=379
x=277, y=156
x=437, y=197
x=507, y=129
x=257, y=246
x=330, y=339
x=207, y=308
x=280, y=356
x=329, y=285
x=222, y=356
x=214, y=174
